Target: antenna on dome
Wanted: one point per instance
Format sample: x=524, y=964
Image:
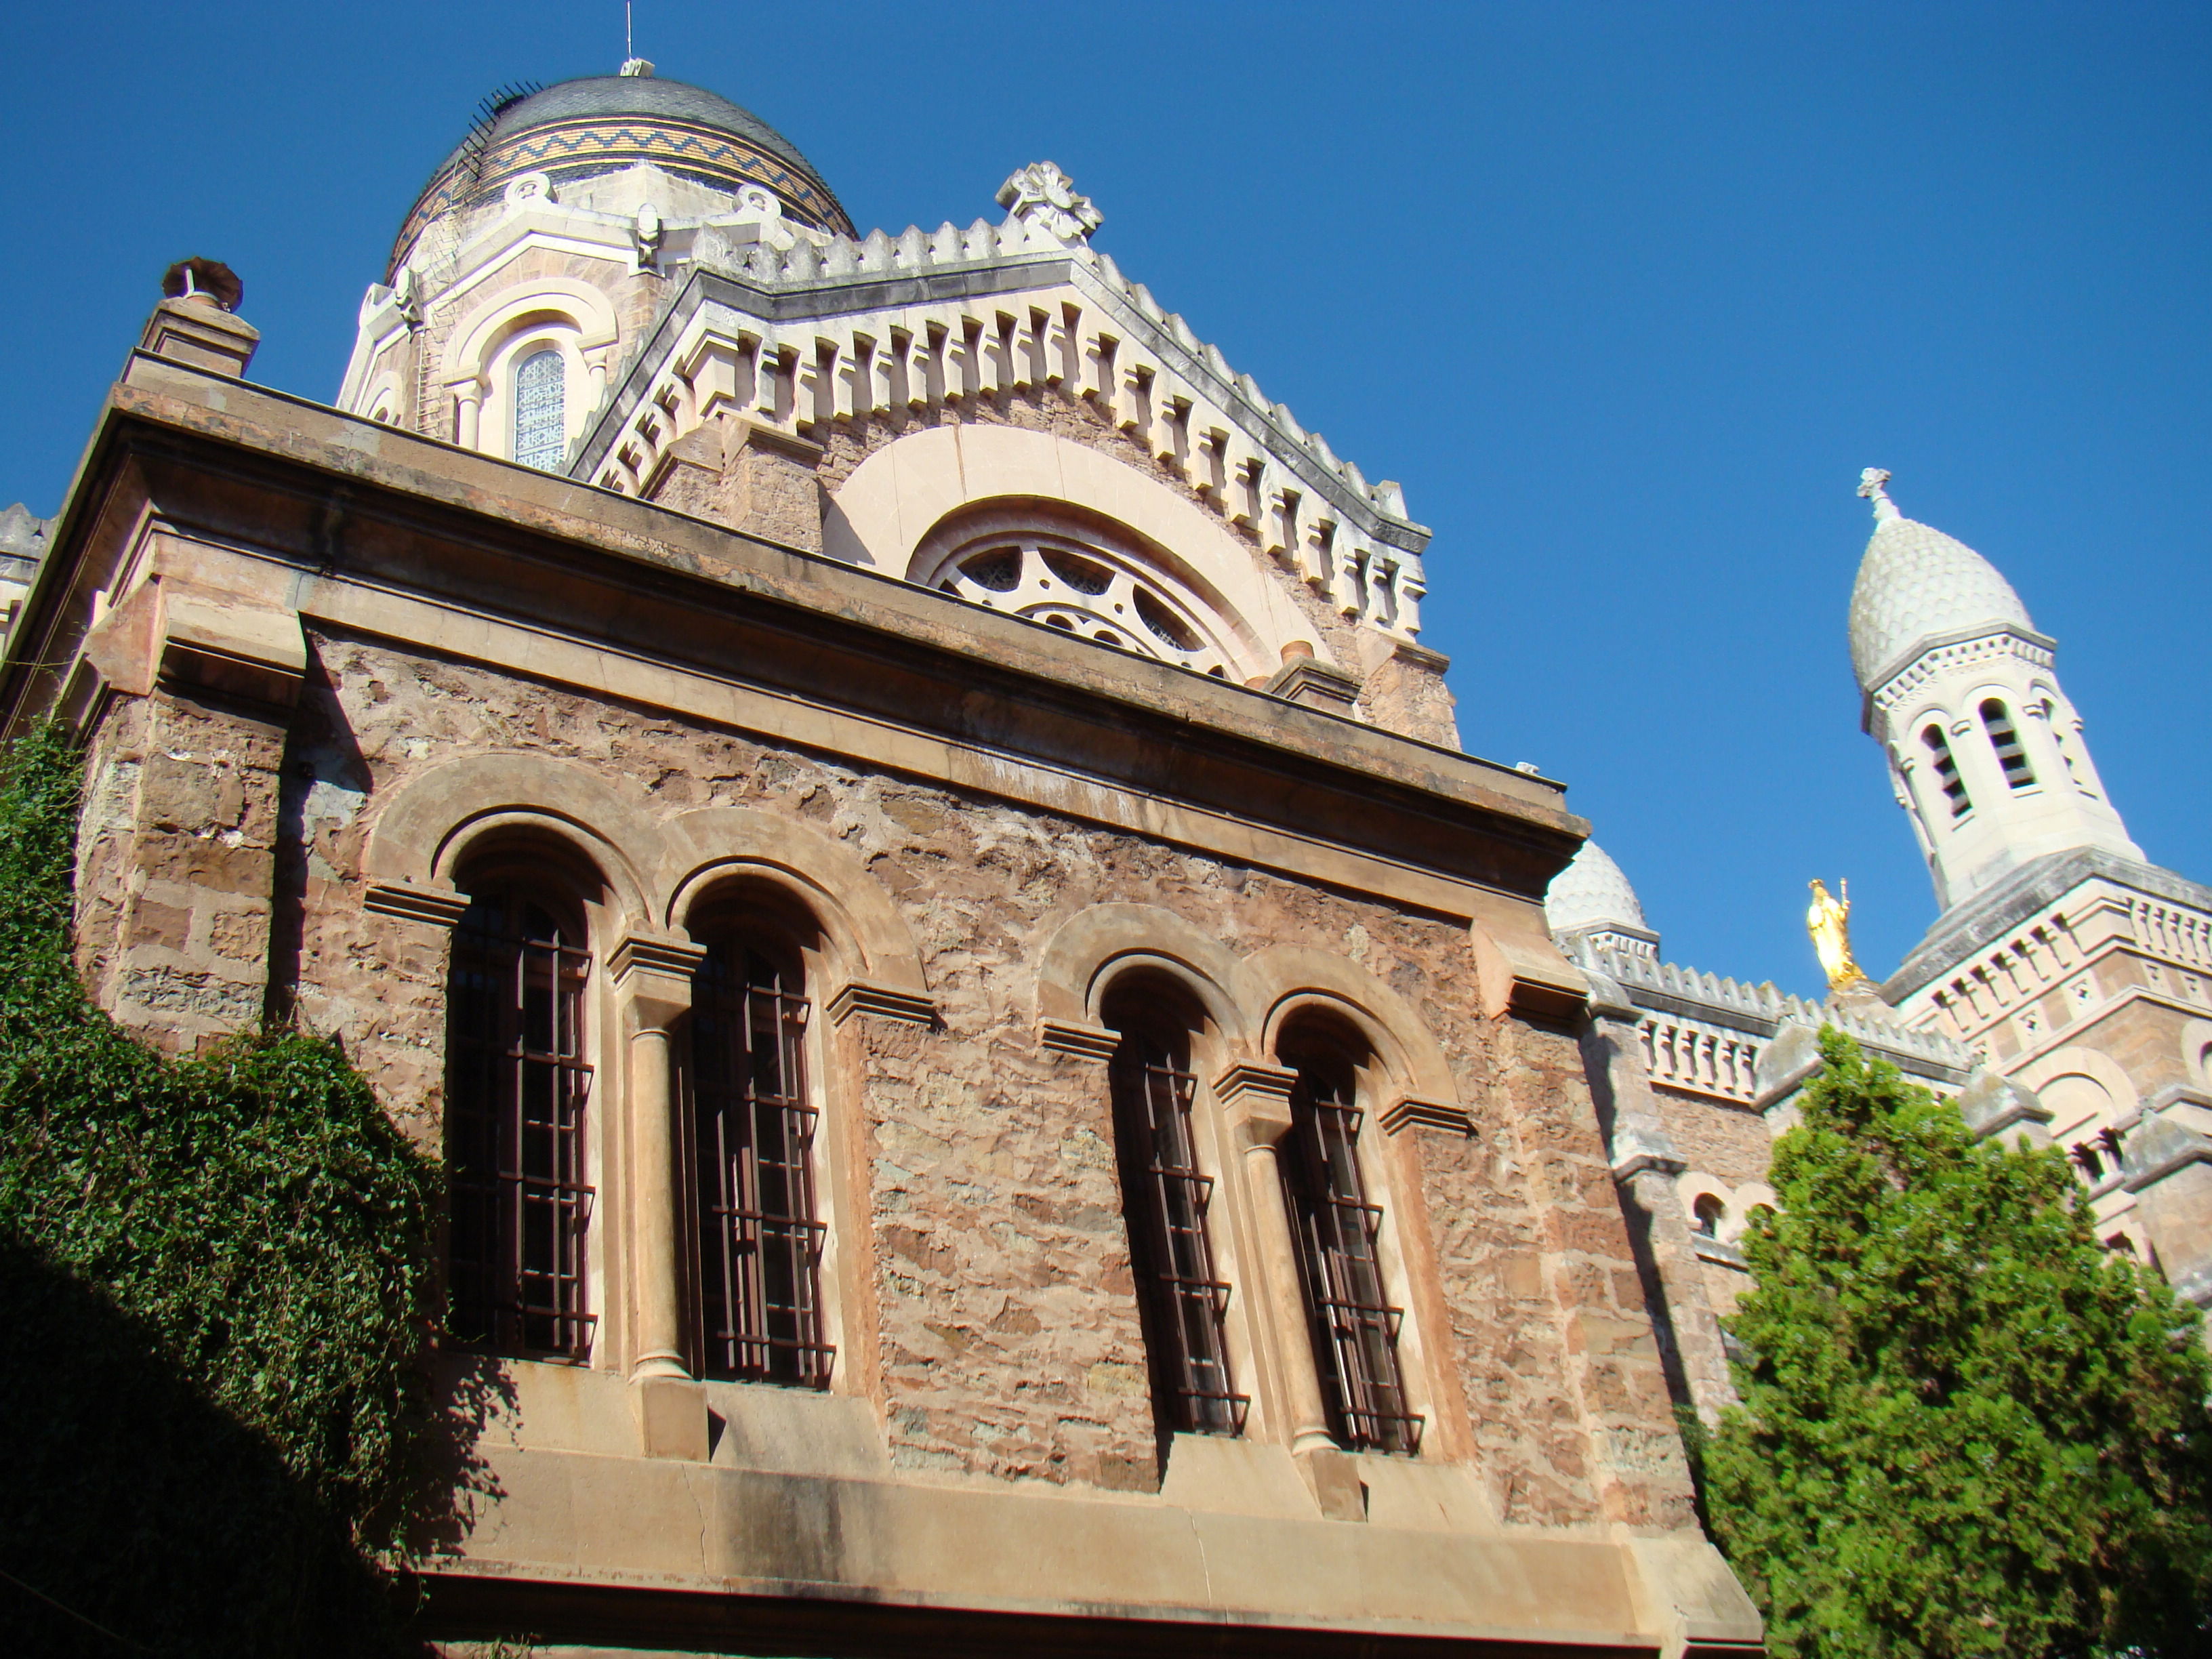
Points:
x=632, y=63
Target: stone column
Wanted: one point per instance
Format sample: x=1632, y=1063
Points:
x=654, y=977
x=1257, y=1100
x=468, y=402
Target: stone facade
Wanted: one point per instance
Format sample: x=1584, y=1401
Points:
x=336, y=676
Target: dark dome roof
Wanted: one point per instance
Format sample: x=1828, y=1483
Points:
x=603, y=123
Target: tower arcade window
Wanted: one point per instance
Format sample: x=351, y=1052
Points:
x=1706, y=1216
x=1164, y=1198
x=1947, y=771
x=517, y=1086
x=541, y=428
x=1353, y=1327
x=760, y=1240
x=1997, y=720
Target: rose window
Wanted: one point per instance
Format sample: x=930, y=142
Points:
x=1075, y=588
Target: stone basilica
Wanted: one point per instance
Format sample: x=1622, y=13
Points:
x=1003, y=1081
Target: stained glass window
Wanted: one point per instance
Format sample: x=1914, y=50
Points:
x=541, y=426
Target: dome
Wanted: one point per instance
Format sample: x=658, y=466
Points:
x=1915, y=583
x=1591, y=893
x=605, y=123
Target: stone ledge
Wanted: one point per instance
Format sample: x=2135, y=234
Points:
x=441, y=907
x=1409, y=1114
x=1083, y=1041
x=882, y=1002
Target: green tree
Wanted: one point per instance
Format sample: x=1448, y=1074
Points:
x=1966, y=1428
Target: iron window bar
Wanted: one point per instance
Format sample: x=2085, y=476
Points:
x=1182, y=1301
x=761, y=1242
x=518, y=1088
x=1354, y=1328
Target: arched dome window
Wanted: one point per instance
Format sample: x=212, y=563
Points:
x=541, y=425
x=1997, y=720
x=1947, y=771
x=1089, y=582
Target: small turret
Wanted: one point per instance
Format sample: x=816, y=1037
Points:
x=1985, y=752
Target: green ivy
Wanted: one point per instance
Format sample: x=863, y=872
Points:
x=218, y=1279
x=1966, y=1428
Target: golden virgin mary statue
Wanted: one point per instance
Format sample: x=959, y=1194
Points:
x=1829, y=921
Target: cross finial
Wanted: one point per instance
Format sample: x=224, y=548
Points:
x=1874, y=485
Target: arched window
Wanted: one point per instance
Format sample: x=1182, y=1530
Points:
x=1706, y=1216
x=760, y=1240
x=518, y=1083
x=1947, y=771
x=1353, y=1326
x=1997, y=720
x=1164, y=1198
x=1082, y=579
x=541, y=426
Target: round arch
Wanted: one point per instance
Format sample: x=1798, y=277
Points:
x=1094, y=947
x=706, y=851
x=431, y=823
x=884, y=511
x=1285, y=980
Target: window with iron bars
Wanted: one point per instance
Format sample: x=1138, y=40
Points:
x=1353, y=1326
x=1164, y=1198
x=760, y=1243
x=518, y=1085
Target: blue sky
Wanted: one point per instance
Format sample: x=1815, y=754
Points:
x=1625, y=296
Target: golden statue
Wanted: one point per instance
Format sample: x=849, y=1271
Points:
x=1829, y=922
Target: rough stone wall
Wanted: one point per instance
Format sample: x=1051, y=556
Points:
x=1007, y=1340
x=1731, y=1142
x=175, y=868
x=1563, y=1371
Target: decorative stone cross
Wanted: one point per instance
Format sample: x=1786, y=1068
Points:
x=1043, y=199
x=1874, y=486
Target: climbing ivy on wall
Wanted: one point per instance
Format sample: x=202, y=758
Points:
x=217, y=1280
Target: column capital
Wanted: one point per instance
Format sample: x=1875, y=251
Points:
x=654, y=975
x=1257, y=1099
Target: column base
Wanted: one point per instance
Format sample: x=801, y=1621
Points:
x=671, y=1417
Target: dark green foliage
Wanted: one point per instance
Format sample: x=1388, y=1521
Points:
x=1966, y=1428
x=217, y=1279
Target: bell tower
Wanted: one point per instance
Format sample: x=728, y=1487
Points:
x=1985, y=752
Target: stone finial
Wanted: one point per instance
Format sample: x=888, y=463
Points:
x=1874, y=486
x=1043, y=199
x=645, y=234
